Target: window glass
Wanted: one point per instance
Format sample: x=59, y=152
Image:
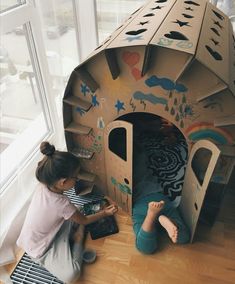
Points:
x=59, y=33
x=227, y=6
x=24, y=122
x=200, y=162
x=9, y=4
x=117, y=142
x=111, y=14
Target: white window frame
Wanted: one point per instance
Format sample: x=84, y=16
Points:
x=86, y=27
x=26, y=14
x=18, y=190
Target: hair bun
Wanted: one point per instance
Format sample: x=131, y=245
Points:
x=47, y=149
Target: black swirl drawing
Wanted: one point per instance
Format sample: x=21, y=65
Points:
x=166, y=162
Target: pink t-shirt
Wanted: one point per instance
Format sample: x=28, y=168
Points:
x=46, y=214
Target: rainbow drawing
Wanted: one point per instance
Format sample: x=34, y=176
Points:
x=206, y=130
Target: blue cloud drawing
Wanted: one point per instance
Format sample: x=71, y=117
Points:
x=180, y=88
x=165, y=83
x=150, y=98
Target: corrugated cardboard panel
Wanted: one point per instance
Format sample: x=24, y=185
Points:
x=182, y=26
x=144, y=25
x=224, y=120
x=213, y=46
x=211, y=91
x=167, y=62
x=232, y=59
x=78, y=128
x=201, y=164
x=75, y=101
x=111, y=58
x=119, y=165
x=69, y=87
x=87, y=78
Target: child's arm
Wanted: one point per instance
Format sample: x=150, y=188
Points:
x=77, y=217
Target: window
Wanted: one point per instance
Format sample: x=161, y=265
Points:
x=9, y=4
x=24, y=95
x=200, y=162
x=117, y=142
x=24, y=118
x=60, y=39
x=111, y=14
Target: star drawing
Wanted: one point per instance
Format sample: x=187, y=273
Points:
x=94, y=100
x=84, y=89
x=181, y=24
x=119, y=105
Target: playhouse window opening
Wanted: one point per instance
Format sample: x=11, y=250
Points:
x=117, y=142
x=200, y=163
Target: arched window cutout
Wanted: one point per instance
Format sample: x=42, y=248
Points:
x=200, y=162
x=117, y=142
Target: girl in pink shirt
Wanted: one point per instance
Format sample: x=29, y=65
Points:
x=46, y=234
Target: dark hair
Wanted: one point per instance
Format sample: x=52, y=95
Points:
x=55, y=164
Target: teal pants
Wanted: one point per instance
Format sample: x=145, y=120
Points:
x=147, y=242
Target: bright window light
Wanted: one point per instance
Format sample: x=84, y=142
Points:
x=111, y=14
x=24, y=119
x=6, y=5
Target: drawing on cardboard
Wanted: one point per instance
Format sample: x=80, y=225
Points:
x=166, y=65
x=95, y=101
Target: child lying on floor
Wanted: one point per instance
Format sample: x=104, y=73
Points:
x=152, y=211
x=151, y=208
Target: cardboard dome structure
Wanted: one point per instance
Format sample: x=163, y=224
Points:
x=174, y=59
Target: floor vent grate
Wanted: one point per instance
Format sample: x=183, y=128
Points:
x=29, y=272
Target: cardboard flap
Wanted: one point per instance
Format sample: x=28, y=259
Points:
x=86, y=77
x=225, y=120
x=213, y=44
x=182, y=26
x=155, y=59
x=111, y=59
x=142, y=28
x=68, y=90
x=232, y=59
x=148, y=59
x=118, y=143
x=201, y=164
x=220, y=86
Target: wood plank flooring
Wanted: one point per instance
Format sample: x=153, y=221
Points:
x=210, y=259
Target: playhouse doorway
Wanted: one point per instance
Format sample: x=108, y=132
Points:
x=160, y=154
x=153, y=153
x=144, y=153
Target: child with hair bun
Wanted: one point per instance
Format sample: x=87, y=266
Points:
x=47, y=234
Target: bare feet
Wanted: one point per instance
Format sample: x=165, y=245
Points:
x=154, y=208
x=170, y=227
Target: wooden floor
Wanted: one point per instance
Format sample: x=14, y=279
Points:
x=210, y=259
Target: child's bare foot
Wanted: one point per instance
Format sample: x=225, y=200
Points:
x=154, y=208
x=170, y=227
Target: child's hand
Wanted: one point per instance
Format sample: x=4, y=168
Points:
x=110, y=210
x=110, y=201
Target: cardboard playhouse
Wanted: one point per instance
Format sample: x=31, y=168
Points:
x=173, y=59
